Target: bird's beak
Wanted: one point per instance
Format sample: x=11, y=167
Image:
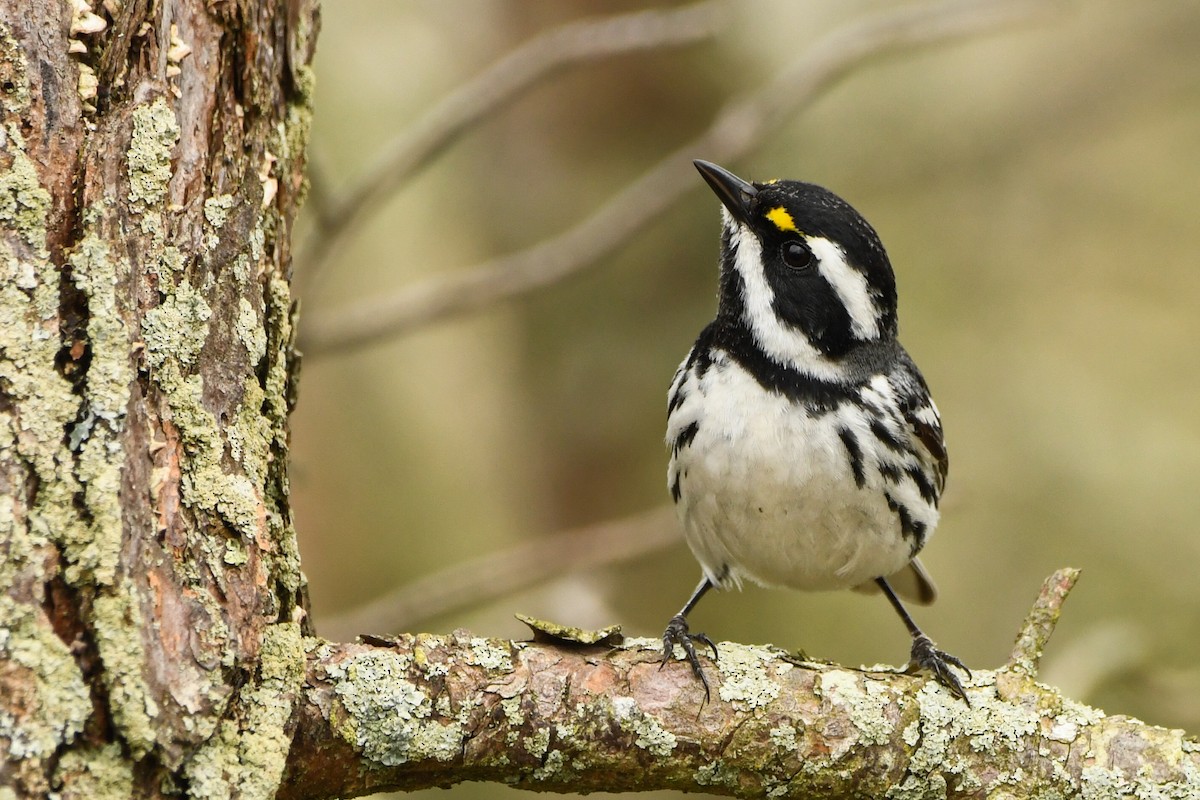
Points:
x=735, y=193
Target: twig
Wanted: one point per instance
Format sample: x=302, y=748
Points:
x=1040, y=623
x=740, y=126
x=571, y=44
x=494, y=575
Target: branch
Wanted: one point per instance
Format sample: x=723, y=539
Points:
x=497, y=574
x=737, y=130
x=574, y=43
x=438, y=710
x=1043, y=618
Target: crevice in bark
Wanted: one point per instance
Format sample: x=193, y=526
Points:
x=233, y=56
x=65, y=612
x=66, y=230
x=74, y=356
x=7, y=401
x=122, y=46
x=150, y=780
x=50, y=100
x=68, y=611
x=75, y=352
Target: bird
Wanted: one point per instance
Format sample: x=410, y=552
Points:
x=805, y=449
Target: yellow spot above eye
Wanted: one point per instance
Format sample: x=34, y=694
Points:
x=782, y=219
x=772, y=181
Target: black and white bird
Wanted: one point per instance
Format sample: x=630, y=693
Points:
x=806, y=451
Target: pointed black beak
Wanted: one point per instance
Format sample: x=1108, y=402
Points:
x=735, y=193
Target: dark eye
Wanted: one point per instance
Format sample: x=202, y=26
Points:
x=797, y=255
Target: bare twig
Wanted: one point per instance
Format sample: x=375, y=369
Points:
x=571, y=44
x=1042, y=619
x=494, y=575
x=740, y=126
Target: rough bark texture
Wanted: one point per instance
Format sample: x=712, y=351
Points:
x=436, y=710
x=151, y=162
x=585, y=711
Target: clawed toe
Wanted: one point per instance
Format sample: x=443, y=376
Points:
x=925, y=656
x=677, y=634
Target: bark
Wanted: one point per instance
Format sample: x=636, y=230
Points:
x=153, y=629
x=436, y=710
x=151, y=602
x=587, y=711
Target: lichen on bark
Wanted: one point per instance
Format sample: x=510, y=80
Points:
x=247, y=755
x=150, y=599
x=155, y=132
x=565, y=716
x=44, y=699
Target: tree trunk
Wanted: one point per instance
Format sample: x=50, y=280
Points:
x=151, y=164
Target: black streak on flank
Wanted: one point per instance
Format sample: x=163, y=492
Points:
x=676, y=490
x=855, y=453
x=910, y=529
x=698, y=362
x=890, y=472
x=918, y=476
x=889, y=439
x=685, y=437
x=677, y=396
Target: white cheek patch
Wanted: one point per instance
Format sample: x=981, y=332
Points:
x=781, y=342
x=850, y=285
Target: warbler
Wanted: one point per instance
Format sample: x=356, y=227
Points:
x=805, y=449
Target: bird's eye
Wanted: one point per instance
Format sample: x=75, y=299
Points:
x=797, y=255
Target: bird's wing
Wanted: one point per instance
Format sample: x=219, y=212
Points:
x=922, y=419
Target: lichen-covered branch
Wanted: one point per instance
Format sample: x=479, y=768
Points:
x=1041, y=621
x=438, y=710
x=424, y=710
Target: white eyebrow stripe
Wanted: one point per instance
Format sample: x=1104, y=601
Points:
x=850, y=285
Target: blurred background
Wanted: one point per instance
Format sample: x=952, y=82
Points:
x=1037, y=189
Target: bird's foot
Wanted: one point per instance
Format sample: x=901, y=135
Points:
x=677, y=633
x=925, y=656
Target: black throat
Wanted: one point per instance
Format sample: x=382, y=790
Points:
x=730, y=333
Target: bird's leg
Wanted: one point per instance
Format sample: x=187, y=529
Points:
x=677, y=633
x=925, y=656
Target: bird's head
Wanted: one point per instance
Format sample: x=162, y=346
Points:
x=801, y=269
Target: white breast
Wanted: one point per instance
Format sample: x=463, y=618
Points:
x=766, y=490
